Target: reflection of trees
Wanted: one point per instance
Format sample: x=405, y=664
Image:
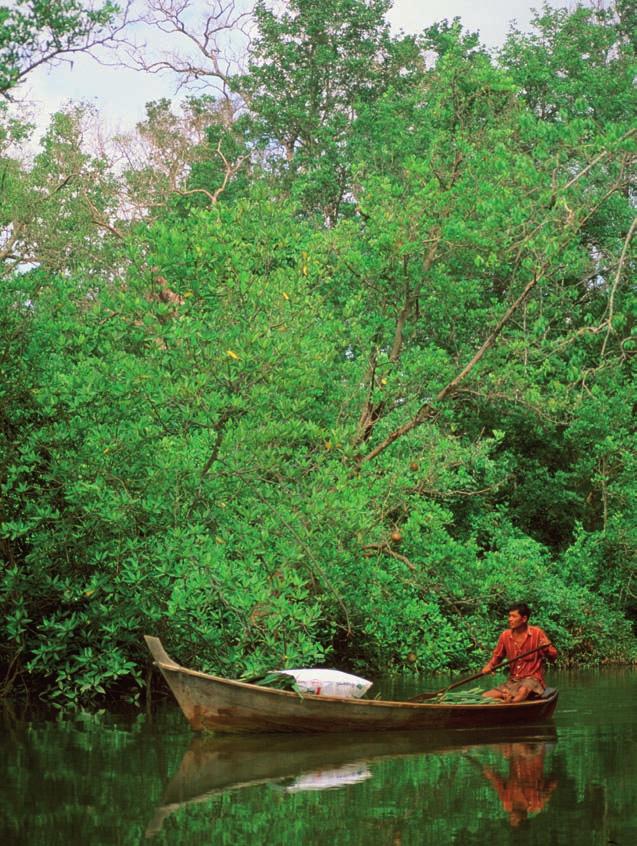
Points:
x=104, y=777
x=524, y=790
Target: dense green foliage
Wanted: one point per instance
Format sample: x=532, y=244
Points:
x=362, y=378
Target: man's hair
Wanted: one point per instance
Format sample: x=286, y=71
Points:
x=522, y=608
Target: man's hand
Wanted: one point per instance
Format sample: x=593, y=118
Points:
x=547, y=646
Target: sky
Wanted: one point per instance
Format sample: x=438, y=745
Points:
x=120, y=94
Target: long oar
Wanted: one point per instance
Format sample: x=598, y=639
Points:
x=433, y=694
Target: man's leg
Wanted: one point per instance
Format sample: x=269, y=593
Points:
x=495, y=694
x=521, y=695
x=509, y=692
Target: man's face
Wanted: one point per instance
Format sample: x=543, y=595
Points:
x=516, y=619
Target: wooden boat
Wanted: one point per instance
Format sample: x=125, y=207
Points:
x=211, y=703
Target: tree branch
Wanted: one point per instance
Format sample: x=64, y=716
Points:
x=427, y=411
x=613, y=290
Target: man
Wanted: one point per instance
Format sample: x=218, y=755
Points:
x=525, y=676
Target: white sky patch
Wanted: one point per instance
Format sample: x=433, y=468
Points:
x=490, y=17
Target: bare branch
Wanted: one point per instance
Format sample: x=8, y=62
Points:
x=596, y=160
x=99, y=220
x=385, y=549
x=613, y=290
x=203, y=49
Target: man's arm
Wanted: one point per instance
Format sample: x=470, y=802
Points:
x=549, y=652
x=498, y=654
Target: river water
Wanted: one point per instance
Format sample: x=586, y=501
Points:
x=110, y=778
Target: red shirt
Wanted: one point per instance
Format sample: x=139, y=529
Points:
x=529, y=667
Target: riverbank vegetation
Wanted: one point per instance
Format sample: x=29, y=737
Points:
x=328, y=363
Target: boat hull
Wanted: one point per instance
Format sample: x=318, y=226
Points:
x=211, y=703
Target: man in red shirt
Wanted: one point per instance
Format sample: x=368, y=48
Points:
x=525, y=675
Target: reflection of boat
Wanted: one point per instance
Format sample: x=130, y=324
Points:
x=215, y=764
x=216, y=704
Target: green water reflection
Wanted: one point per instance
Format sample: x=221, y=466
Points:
x=109, y=779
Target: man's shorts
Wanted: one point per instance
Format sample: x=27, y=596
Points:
x=513, y=687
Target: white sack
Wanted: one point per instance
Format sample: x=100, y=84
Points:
x=329, y=683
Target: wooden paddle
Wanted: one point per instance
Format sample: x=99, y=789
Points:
x=433, y=694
